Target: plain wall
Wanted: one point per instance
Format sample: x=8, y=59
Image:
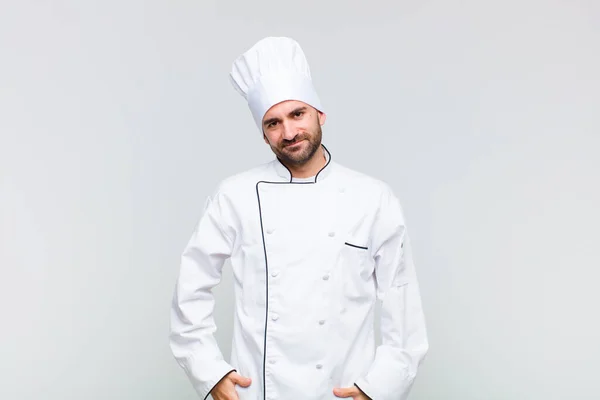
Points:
x=117, y=119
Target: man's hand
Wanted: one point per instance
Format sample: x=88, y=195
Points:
x=225, y=389
x=353, y=392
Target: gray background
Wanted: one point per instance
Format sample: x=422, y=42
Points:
x=117, y=119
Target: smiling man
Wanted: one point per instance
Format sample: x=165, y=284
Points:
x=313, y=246
x=293, y=131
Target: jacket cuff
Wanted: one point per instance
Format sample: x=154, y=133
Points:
x=366, y=388
x=385, y=389
x=220, y=370
x=363, y=391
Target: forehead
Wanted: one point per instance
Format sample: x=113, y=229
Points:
x=283, y=108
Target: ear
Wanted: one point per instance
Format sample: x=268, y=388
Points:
x=322, y=118
x=265, y=138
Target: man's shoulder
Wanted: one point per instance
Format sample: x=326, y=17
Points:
x=362, y=181
x=241, y=180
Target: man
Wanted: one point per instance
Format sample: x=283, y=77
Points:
x=312, y=245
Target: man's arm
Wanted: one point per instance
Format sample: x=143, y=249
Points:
x=403, y=332
x=192, y=338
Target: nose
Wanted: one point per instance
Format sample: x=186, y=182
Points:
x=288, y=130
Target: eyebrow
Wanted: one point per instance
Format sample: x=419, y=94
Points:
x=294, y=111
x=268, y=121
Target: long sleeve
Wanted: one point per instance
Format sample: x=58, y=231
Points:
x=192, y=338
x=403, y=331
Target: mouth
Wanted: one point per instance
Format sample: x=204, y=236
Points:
x=294, y=144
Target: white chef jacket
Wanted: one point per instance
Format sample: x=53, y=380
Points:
x=309, y=261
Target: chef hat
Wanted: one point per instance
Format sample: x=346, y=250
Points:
x=273, y=70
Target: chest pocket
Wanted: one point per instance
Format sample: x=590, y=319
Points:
x=356, y=269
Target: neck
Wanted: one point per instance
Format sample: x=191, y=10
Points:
x=311, y=167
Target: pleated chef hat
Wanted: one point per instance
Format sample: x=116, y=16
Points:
x=273, y=70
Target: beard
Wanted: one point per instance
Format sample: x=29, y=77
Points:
x=308, y=145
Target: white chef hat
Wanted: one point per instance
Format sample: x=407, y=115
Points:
x=273, y=70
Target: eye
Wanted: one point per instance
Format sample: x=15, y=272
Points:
x=272, y=124
x=298, y=113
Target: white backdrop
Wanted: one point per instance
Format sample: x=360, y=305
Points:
x=117, y=119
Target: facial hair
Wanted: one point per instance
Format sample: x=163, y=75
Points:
x=297, y=158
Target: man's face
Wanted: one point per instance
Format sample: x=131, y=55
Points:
x=293, y=131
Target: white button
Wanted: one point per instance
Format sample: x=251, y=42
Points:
x=331, y=234
x=270, y=230
x=343, y=310
x=342, y=190
x=322, y=322
x=271, y=361
x=325, y=277
x=274, y=273
x=319, y=366
x=275, y=317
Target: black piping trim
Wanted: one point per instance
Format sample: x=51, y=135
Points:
x=211, y=389
x=286, y=167
x=326, y=164
x=316, y=176
x=363, y=392
x=262, y=231
x=354, y=245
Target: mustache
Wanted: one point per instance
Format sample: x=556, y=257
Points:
x=293, y=141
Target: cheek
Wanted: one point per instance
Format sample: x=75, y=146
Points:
x=268, y=140
x=310, y=126
x=305, y=125
x=273, y=138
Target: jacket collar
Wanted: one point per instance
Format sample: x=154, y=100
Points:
x=286, y=174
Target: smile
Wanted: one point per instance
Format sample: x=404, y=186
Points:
x=295, y=144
